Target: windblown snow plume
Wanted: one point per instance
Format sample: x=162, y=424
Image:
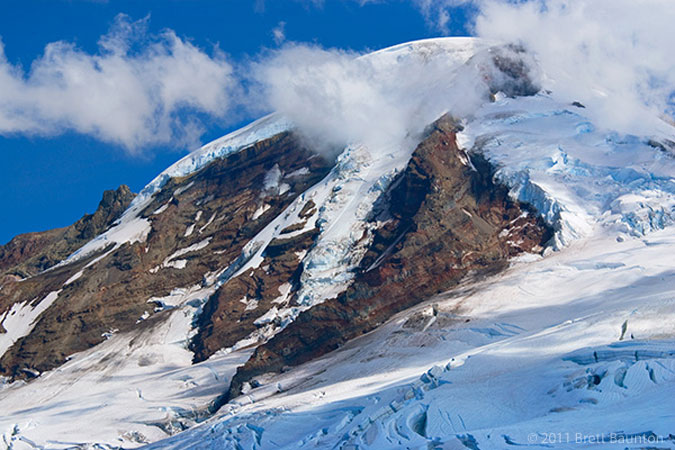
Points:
x=130, y=93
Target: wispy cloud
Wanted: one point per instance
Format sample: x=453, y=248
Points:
x=129, y=93
x=279, y=33
x=437, y=13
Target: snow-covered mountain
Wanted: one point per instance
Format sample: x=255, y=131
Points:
x=499, y=277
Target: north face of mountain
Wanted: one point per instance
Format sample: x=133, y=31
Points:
x=444, y=219
x=504, y=269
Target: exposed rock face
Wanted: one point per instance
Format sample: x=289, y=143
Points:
x=447, y=220
x=231, y=313
x=30, y=253
x=513, y=76
x=199, y=225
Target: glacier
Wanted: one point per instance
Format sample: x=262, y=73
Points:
x=575, y=176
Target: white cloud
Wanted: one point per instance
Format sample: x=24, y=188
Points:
x=336, y=97
x=140, y=90
x=130, y=93
x=279, y=33
x=615, y=56
x=437, y=13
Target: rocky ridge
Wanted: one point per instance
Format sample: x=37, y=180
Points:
x=29, y=254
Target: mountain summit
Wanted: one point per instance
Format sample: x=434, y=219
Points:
x=482, y=268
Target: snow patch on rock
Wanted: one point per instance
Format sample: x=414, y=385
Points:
x=19, y=320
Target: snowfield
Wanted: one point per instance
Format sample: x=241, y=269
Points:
x=579, y=342
x=575, y=349
x=134, y=388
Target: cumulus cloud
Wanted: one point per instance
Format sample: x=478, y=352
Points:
x=615, y=56
x=138, y=90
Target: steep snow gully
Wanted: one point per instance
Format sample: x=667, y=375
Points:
x=571, y=346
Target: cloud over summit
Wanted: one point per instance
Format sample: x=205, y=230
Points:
x=615, y=56
x=381, y=100
x=140, y=90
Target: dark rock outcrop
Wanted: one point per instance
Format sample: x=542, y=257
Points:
x=31, y=253
x=448, y=220
x=513, y=75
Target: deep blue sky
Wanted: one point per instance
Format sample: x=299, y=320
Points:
x=50, y=182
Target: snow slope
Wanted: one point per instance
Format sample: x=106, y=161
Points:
x=563, y=348
x=133, y=388
x=553, y=157
x=20, y=319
